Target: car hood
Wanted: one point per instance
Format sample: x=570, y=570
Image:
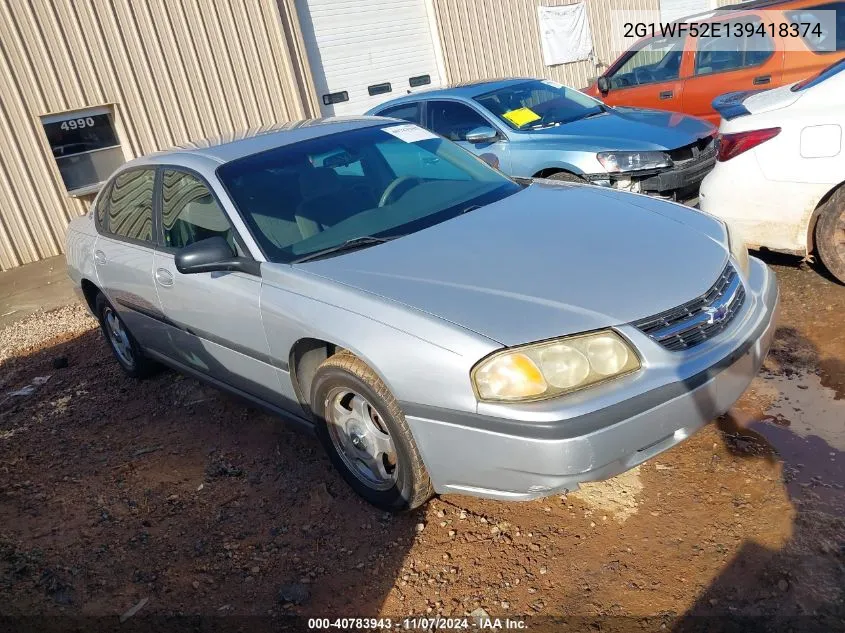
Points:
x=737, y=104
x=631, y=128
x=547, y=261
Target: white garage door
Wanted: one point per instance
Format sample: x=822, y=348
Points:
x=365, y=52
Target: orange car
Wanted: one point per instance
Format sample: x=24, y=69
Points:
x=685, y=74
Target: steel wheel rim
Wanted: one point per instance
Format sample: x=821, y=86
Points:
x=361, y=438
x=118, y=337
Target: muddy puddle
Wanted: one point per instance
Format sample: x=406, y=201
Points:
x=804, y=424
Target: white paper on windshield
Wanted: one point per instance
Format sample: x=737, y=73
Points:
x=409, y=133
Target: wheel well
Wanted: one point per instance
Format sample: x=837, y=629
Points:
x=90, y=291
x=306, y=355
x=548, y=171
x=814, y=218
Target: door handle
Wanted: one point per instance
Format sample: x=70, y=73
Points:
x=762, y=79
x=99, y=257
x=666, y=94
x=164, y=277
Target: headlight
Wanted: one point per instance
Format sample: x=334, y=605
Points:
x=615, y=162
x=739, y=251
x=552, y=368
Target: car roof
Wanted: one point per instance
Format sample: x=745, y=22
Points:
x=466, y=90
x=228, y=147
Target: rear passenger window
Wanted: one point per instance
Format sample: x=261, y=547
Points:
x=722, y=54
x=130, y=208
x=189, y=213
x=824, y=38
x=407, y=111
x=102, y=206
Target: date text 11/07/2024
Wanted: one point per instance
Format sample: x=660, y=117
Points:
x=483, y=622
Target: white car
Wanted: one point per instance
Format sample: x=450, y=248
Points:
x=779, y=178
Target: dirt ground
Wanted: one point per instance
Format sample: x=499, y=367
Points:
x=113, y=492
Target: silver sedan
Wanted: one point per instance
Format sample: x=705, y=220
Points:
x=440, y=327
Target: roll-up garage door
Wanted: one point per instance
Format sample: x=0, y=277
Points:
x=365, y=52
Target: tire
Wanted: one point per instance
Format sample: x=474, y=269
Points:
x=830, y=234
x=565, y=176
x=365, y=434
x=122, y=344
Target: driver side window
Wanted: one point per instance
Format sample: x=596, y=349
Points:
x=657, y=60
x=453, y=120
x=190, y=213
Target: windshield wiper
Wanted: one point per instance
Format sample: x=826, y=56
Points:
x=349, y=245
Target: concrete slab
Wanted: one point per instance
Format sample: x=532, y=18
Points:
x=42, y=285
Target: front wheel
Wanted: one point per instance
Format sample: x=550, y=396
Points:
x=366, y=436
x=830, y=234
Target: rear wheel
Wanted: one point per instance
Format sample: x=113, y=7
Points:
x=365, y=434
x=123, y=345
x=830, y=234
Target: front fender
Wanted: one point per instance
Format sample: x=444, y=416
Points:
x=531, y=160
x=421, y=359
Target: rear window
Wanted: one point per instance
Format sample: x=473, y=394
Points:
x=819, y=39
x=815, y=80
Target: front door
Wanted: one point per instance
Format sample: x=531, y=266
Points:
x=215, y=320
x=650, y=76
x=124, y=255
x=454, y=120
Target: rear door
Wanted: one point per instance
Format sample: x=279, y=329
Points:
x=727, y=64
x=124, y=255
x=454, y=120
x=214, y=318
x=820, y=47
x=650, y=76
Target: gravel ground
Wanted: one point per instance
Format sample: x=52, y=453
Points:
x=40, y=330
x=173, y=496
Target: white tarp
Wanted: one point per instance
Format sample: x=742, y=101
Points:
x=565, y=33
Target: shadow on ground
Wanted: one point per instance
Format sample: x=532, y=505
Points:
x=798, y=587
x=115, y=492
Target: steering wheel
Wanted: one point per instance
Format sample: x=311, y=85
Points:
x=391, y=188
x=642, y=76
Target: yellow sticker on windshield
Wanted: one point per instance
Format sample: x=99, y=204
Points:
x=521, y=116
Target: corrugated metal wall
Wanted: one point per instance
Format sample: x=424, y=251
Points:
x=491, y=38
x=174, y=70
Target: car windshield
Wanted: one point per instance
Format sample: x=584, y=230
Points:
x=535, y=104
x=328, y=192
x=834, y=69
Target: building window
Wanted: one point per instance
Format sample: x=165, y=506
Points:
x=335, y=97
x=379, y=89
x=85, y=147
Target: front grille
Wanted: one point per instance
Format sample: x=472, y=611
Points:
x=698, y=320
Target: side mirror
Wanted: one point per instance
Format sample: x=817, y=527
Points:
x=603, y=84
x=482, y=134
x=212, y=255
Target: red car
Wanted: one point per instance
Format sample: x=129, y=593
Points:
x=685, y=74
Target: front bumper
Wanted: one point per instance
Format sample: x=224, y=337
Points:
x=545, y=449
x=680, y=182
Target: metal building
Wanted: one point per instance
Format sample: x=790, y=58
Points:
x=88, y=84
